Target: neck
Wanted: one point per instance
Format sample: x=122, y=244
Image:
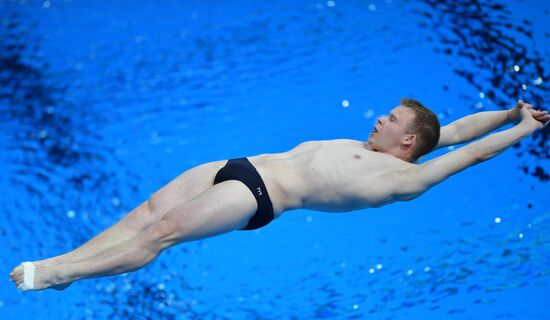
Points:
x=405, y=157
x=400, y=154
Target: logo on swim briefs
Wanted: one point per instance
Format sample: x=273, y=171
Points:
x=259, y=191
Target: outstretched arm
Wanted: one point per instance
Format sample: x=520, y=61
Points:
x=416, y=180
x=478, y=124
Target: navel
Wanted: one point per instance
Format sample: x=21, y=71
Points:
x=356, y=156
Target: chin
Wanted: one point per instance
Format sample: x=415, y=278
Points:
x=369, y=144
x=370, y=140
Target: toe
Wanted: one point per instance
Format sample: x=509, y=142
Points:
x=18, y=272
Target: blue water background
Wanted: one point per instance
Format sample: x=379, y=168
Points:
x=105, y=102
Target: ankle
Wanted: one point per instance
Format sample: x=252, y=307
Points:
x=62, y=273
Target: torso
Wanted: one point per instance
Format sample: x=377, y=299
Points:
x=329, y=175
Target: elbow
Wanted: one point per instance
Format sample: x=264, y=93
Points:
x=478, y=155
x=454, y=133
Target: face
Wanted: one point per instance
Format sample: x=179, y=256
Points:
x=389, y=132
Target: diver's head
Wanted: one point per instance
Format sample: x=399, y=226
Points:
x=408, y=132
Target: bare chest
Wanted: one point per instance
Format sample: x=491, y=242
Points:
x=338, y=177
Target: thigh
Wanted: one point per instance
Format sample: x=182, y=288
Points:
x=224, y=207
x=184, y=188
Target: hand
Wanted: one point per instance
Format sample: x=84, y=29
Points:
x=542, y=116
x=533, y=119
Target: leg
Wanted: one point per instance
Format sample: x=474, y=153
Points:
x=224, y=207
x=122, y=231
x=180, y=190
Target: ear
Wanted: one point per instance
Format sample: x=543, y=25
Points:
x=409, y=140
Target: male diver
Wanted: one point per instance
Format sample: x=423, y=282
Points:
x=248, y=193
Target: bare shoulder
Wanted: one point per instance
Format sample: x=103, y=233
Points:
x=315, y=144
x=414, y=180
x=394, y=179
x=332, y=142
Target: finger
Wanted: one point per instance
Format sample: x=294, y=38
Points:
x=519, y=104
x=537, y=113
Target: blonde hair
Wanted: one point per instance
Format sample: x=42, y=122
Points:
x=425, y=126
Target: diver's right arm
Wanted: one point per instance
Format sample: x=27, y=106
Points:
x=418, y=179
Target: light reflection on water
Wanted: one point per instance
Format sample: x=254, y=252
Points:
x=92, y=126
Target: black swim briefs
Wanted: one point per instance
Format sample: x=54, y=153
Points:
x=242, y=170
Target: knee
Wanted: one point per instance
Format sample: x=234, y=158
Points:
x=152, y=205
x=151, y=211
x=161, y=235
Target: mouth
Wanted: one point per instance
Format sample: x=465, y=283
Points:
x=374, y=130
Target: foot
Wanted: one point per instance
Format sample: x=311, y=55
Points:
x=53, y=262
x=45, y=277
